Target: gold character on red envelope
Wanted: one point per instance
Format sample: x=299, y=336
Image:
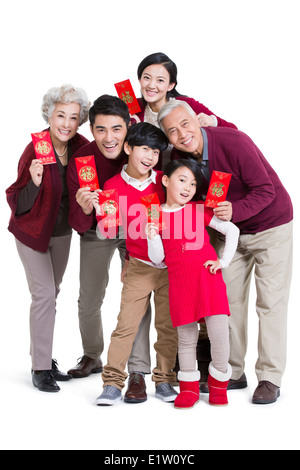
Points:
x=109, y=207
x=126, y=93
x=87, y=173
x=126, y=97
x=43, y=147
x=218, y=188
x=109, y=203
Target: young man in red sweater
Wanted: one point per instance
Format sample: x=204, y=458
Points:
x=109, y=121
x=143, y=144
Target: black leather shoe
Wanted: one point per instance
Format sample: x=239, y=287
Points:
x=44, y=381
x=57, y=374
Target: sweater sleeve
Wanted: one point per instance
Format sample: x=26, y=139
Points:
x=231, y=233
x=200, y=108
x=27, y=198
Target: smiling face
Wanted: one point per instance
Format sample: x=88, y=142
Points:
x=183, y=131
x=141, y=161
x=181, y=187
x=109, y=133
x=155, y=83
x=64, y=122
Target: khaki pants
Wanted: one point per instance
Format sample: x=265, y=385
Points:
x=270, y=254
x=95, y=258
x=140, y=281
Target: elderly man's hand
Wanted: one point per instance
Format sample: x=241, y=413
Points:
x=224, y=211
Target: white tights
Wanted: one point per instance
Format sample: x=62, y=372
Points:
x=218, y=332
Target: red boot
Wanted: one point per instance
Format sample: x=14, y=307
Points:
x=217, y=385
x=189, y=389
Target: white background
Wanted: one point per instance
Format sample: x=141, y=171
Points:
x=241, y=60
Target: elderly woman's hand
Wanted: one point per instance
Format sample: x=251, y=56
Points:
x=36, y=171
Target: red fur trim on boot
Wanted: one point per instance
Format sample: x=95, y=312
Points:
x=188, y=396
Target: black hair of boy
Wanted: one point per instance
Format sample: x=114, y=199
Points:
x=144, y=133
x=109, y=106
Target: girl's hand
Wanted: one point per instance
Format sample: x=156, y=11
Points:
x=214, y=266
x=151, y=231
x=206, y=121
x=36, y=170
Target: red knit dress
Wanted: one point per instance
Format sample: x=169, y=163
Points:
x=194, y=292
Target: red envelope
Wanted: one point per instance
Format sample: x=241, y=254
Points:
x=218, y=188
x=87, y=173
x=153, y=208
x=126, y=93
x=43, y=147
x=109, y=207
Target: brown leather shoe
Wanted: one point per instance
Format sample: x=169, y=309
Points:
x=238, y=384
x=136, y=391
x=85, y=367
x=265, y=393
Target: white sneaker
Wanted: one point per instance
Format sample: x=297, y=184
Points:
x=109, y=396
x=165, y=392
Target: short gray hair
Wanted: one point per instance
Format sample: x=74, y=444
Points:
x=65, y=94
x=168, y=108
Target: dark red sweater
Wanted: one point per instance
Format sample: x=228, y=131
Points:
x=258, y=197
x=35, y=227
x=106, y=169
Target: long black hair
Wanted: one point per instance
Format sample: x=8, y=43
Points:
x=170, y=66
x=192, y=165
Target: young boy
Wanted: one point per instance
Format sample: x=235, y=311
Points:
x=143, y=144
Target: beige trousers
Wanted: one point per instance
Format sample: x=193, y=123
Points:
x=270, y=255
x=139, y=283
x=44, y=272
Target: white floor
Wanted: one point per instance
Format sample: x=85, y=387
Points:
x=70, y=419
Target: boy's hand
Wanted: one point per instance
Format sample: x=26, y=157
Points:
x=124, y=270
x=214, y=265
x=151, y=231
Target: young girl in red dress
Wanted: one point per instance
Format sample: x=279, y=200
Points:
x=197, y=291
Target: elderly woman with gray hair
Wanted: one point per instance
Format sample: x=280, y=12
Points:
x=39, y=221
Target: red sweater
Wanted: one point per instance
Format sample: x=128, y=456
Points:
x=134, y=218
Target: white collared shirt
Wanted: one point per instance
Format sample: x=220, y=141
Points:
x=137, y=184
